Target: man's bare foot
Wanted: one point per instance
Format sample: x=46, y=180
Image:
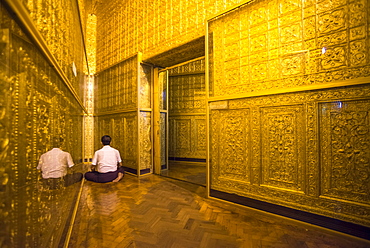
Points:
x=119, y=177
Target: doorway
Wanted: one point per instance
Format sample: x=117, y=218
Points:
x=186, y=122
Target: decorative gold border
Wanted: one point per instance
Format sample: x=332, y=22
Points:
x=139, y=57
x=115, y=112
x=348, y=82
x=183, y=63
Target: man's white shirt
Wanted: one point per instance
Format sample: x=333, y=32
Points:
x=54, y=163
x=106, y=159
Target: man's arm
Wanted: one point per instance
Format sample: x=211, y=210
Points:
x=94, y=161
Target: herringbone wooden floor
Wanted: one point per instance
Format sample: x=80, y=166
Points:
x=194, y=172
x=154, y=211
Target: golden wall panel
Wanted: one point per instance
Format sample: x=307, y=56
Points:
x=59, y=24
x=187, y=126
x=264, y=46
x=344, y=132
x=123, y=128
x=187, y=94
x=151, y=27
x=163, y=136
x=36, y=106
x=162, y=88
x=187, y=137
x=306, y=150
x=232, y=144
x=145, y=86
x=192, y=67
x=187, y=88
x=116, y=87
x=283, y=150
x=145, y=140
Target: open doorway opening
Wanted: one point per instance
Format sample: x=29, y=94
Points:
x=187, y=122
x=182, y=113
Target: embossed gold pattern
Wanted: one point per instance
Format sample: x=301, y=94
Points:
x=151, y=27
x=259, y=146
x=54, y=20
x=344, y=128
x=116, y=87
x=266, y=45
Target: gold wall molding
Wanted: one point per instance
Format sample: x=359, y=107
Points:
x=176, y=67
x=350, y=82
x=115, y=112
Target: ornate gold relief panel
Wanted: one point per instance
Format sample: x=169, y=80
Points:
x=230, y=146
x=152, y=27
x=59, y=22
x=145, y=140
x=187, y=137
x=36, y=106
x=283, y=151
x=130, y=152
x=163, y=136
x=187, y=94
x=196, y=66
x=180, y=131
x=305, y=150
x=344, y=146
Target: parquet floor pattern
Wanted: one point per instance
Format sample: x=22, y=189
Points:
x=193, y=172
x=154, y=211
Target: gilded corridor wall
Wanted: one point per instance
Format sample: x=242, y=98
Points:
x=150, y=27
x=290, y=105
x=42, y=70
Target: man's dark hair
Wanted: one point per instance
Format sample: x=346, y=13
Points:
x=106, y=140
x=57, y=142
